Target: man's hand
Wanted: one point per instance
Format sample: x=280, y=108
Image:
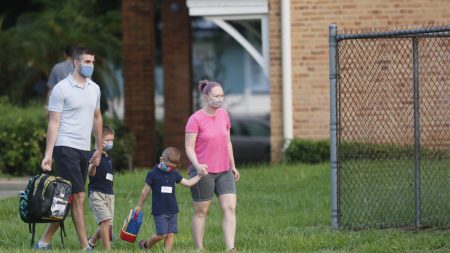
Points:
x=96, y=157
x=46, y=164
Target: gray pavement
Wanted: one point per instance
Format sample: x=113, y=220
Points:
x=10, y=187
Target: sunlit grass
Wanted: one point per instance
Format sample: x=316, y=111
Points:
x=280, y=209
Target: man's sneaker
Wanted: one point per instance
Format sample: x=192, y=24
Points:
x=89, y=248
x=37, y=247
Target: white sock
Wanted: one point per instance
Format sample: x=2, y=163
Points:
x=42, y=244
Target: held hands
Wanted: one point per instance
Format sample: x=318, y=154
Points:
x=202, y=170
x=96, y=157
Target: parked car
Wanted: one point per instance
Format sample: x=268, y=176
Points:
x=250, y=135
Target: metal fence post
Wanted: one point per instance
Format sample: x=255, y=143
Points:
x=333, y=128
x=415, y=42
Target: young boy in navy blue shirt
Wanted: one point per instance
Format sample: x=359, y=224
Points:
x=161, y=180
x=101, y=194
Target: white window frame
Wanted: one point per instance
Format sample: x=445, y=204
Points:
x=220, y=12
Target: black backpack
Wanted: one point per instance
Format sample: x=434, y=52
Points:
x=45, y=199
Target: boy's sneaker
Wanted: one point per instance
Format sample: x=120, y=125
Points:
x=89, y=243
x=142, y=245
x=37, y=247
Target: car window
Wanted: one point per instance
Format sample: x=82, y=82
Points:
x=234, y=129
x=255, y=128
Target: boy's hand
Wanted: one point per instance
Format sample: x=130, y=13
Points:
x=96, y=157
x=202, y=169
x=137, y=209
x=202, y=175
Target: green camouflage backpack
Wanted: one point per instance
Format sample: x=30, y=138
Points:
x=45, y=199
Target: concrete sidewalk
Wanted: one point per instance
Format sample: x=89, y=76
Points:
x=10, y=187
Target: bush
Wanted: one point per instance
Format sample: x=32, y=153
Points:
x=22, y=138
x=307, y=151
x=377, y=151
x=122, y=152
x=23, y=133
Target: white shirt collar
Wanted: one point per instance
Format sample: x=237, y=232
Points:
x=74, y=83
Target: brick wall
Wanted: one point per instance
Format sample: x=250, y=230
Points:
x=177, y=58
x=376, y=86
x=138, y=63
x=310, y=73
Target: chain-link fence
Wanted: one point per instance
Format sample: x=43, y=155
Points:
x=390, y=128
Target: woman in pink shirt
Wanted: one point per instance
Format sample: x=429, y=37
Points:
x=209, y=149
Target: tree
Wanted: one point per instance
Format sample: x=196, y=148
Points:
x=36, y=42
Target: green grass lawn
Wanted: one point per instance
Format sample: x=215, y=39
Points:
x=381, y=193
x=280, y=209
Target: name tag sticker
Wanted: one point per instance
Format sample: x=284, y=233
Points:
x=166, y=189
x=109, y=176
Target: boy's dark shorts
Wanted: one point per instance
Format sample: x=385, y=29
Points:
x=72, y=164
x=166, y=224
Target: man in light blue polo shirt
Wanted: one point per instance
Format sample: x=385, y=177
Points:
x=74, y=113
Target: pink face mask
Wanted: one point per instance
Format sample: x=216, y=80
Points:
x=214, y=102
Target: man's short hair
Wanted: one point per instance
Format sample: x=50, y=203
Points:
x=107, y=130
x=171, y=154
x=79, y=51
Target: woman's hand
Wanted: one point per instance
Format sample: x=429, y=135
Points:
x=236, y=174
x=202, y=169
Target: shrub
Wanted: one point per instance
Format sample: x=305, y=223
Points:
x=22, y=138
x=122, y=152
x=378, y=151
x=307, y=151
x=23, y=133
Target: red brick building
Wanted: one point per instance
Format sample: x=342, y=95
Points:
x=302, y=111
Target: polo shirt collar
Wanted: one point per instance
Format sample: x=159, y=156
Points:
x=75, y=84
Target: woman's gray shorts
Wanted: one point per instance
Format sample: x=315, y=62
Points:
x=219, y=183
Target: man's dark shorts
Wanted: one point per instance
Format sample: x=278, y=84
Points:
x=72, y=164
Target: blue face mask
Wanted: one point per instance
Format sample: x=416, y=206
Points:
x=86, y=70
x=108, y=146
x=163, y=167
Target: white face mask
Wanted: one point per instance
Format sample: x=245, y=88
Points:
x=214, y=102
